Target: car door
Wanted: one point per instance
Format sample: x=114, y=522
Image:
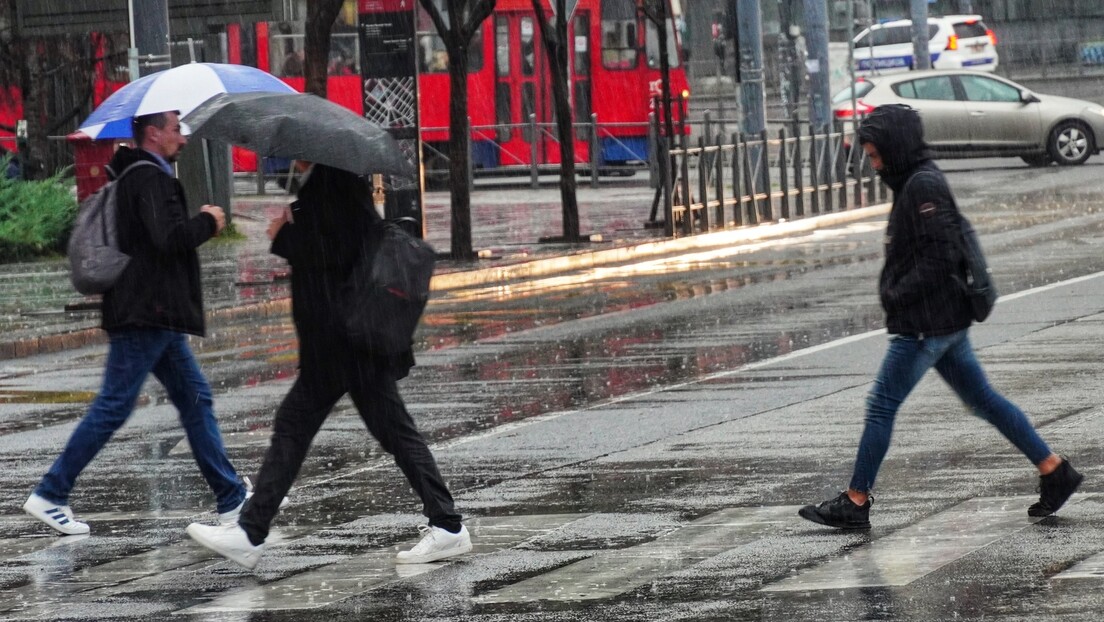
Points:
x=946, y=124
x=998, y=117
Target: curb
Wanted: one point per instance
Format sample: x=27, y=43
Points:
x=47, y=344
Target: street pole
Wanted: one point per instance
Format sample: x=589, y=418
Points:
x=919, y=15
x=851, y=60
x=816, y=41
x=749, y=59
x=149, y=37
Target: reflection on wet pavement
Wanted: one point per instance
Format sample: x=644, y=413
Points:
x=340, y=580
x=611, y=572
x=919, y=549
x=1091, y=568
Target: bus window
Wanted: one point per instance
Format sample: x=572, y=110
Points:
x=652, y=46
x=432, y=55
x=528, y=50
x=344, y=54
x=287, y=55
x=503, y=110
x=619, y=38
x=582, y=45
x=582, y=75
x=502, y=46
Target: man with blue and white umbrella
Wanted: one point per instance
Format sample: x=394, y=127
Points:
x=148, y=313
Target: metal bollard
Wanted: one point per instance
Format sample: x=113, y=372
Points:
x=534, y=182
x=595, y=150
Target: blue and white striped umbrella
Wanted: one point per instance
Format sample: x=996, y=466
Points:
x=180, y=88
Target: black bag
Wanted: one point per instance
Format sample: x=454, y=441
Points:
x=387, y=290
x=980, y=290
x=979, y=286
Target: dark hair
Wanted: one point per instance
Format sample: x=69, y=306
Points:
x=138, y=125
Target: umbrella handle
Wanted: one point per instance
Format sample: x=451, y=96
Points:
x=207, y=170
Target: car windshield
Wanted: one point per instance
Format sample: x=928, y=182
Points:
x=862, y=87
x=969, y=30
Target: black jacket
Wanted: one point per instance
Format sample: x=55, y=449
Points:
x=331, y=216
x=160, y=287
x=923, y=283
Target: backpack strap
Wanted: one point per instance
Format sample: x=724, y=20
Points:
x=130, y=167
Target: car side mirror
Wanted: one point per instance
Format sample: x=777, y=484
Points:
x=1028, y=97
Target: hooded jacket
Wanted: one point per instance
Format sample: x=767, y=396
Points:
x=331, y=215
x=923, y=283
x=160, y=287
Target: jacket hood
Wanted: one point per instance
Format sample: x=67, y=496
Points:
x=124, y=157
x=895, y=130
x=342, y=192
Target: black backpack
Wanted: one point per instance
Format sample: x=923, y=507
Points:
x=979, y=286
x=383, y=299
x=980, y=289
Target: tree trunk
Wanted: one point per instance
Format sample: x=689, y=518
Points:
x=460, y=138
x=464, y=17
x=558, y=60
x=321, y=15
x=555, y=44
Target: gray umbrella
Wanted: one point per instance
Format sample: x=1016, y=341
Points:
x=301, y=127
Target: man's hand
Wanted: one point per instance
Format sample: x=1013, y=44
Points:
x=218, y=214
x=276, y=223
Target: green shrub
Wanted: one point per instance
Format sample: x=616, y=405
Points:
x=35, y=216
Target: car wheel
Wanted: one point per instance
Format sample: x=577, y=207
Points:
x=1037, y=160
x=1070, y=143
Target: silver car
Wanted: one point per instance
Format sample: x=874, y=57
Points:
x=970, y=114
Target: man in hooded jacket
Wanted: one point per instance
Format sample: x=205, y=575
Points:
x=148, y=313
x=928, y=314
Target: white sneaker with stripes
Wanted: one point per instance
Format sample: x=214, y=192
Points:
x=59, y=517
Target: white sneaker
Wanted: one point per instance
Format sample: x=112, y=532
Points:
x=59, y=517
x=436, y=544
x=229, y=541
x=230, y=517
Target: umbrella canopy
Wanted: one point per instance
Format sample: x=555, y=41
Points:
x=301, y=127
x=180, y=88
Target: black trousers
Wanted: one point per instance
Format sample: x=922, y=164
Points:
x=303, y=412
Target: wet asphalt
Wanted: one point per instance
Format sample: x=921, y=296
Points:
x=628, y=441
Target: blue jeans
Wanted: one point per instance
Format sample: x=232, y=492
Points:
x=905, y=363
x=132, y=355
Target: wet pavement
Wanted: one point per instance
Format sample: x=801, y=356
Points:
x=628, y=441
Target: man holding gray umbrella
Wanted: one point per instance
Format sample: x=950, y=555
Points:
x=322, y=238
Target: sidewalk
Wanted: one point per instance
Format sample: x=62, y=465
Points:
x=41, y=313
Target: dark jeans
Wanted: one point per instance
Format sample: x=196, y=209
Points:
x=132, y=355
x=905, y=363
x=299, y=418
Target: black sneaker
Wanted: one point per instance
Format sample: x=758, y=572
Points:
x=1055, y=489
x=840, y=512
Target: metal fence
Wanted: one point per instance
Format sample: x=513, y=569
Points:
x=746, y=180
x=708, y=184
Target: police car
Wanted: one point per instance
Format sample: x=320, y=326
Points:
x=954, y=42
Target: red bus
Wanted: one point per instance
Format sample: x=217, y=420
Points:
x=614, y=74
